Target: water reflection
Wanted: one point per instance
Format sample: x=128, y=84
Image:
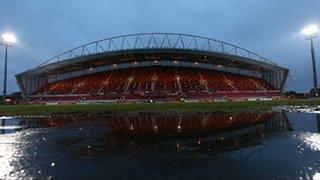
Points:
x=172, y=125
x=164, y=146
x=312, y=140
x=318, y=122
x=9, y=124
x=196, y=131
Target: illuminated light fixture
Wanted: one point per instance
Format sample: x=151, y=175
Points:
x=199, y=141
x=155, y=127
x=221, y=138
x=311, y=31
x=114, y=65
x=8, y=39
x=178, y=78
x=135, y=62
x=176, y=62
x=155, y=61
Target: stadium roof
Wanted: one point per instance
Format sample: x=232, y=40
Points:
x=149, y=46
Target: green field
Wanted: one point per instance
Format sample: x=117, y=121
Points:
x=202, y=107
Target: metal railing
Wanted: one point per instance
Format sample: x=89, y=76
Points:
x=156, y=41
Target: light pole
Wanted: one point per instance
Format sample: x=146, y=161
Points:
x=8, y=40
x=310, y=33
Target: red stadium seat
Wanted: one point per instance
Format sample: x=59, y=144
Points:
x=160, y=82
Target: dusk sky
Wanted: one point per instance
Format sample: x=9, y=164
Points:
x=272, y=28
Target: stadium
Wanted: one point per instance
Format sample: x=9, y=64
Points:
x=153, y=67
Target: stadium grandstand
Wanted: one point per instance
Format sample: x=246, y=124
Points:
x=152, y=67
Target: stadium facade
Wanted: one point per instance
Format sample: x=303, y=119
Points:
x=153, y=67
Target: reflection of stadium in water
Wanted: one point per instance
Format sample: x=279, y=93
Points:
x=201, y=124
x=202, y=132
x=157, y=125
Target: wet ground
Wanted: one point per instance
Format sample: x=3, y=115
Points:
x=198, y=146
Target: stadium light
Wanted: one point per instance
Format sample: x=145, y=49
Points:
x=310, y=33
x=8, y=39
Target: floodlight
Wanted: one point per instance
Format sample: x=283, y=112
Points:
x=8, y=38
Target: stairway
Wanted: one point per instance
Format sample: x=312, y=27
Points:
x=129, y=81
x=153, y=80
x=226, y=80
x=105, y=83
x=202, y=81
x=255, y=83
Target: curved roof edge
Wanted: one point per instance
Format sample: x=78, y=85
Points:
x=157, y=41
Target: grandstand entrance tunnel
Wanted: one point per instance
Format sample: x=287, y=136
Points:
x=169, y=72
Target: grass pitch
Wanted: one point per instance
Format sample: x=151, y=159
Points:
x=178, y=107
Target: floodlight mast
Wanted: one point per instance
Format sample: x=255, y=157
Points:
x=310, y=33
x=8, y=40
